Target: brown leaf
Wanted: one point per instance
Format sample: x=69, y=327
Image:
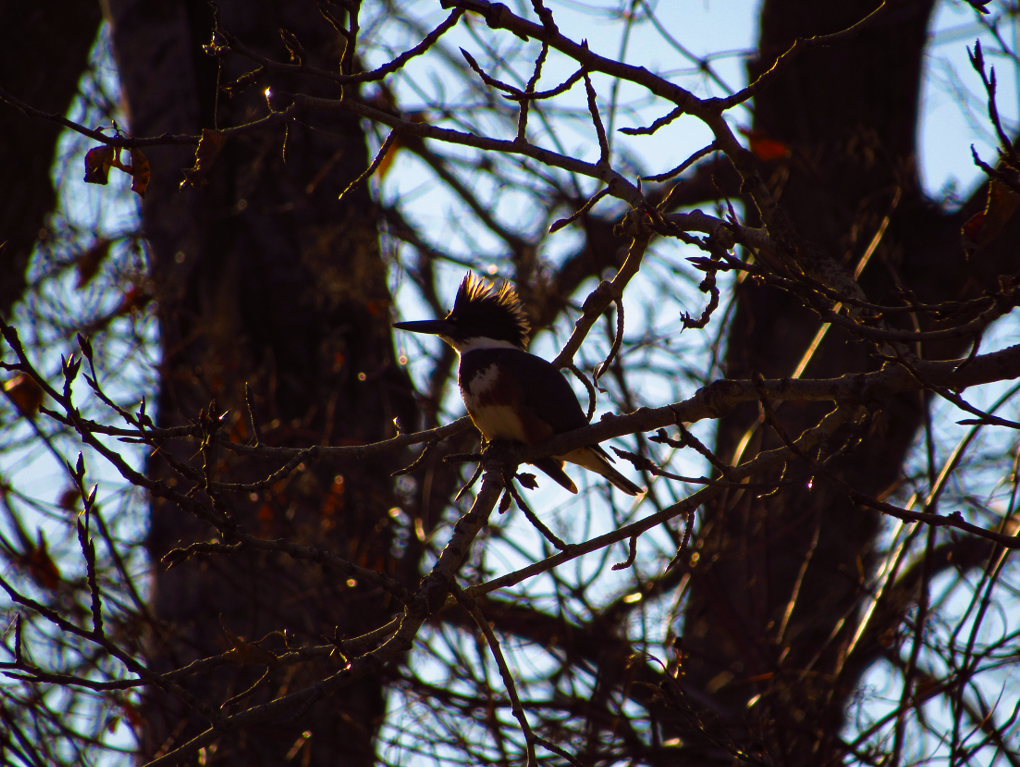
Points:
x=982, y=228
x=972, y=228
x=209, y=147
x=764, y=147
x=134, y=300
x=387, y=161
x=132, y=714
x=87, y=264
x=25, y=393
x=245, y=652
x=377, y=307
x=69, y=499
x=41, y=567
x=98, y=162
x=140, y=172
x=267, y=521
x=334, y=500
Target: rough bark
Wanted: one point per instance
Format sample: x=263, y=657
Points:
x=264, y=278
x=849, y=113
x=42, y=57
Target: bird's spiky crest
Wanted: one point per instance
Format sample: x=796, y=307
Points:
x=478, y=299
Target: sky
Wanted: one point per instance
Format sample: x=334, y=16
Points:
x=723, y=31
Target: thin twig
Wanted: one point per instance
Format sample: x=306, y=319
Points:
x=589, y=386
x=374, y=166
x=603, y=367
x=249, y=403
x=471, y=606
x=532, y=518
x=664, y=205
x=522, y=119
x=596, y=119
x=659, y=123
x=560, y=223
x=631, y=556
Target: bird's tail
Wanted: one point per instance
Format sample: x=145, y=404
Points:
x=554, y=468
x=595, y=459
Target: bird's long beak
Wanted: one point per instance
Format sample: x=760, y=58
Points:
x=432, y=327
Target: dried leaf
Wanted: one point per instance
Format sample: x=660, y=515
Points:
x=334, y=500
x=87, y=264
x=245, y=652
x=98, y=162
x=134, y=300
x=982, y=228
x=209, y=147
x=69, y=499
x=388, y=158
x=764, y=147
x=140, y=172
x=41, y=567
x=377, y=307
x=25, y=393
x=267, y=521
x=972, y=229
x=132, y=714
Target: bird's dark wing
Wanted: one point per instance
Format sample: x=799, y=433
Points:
x=545, y=390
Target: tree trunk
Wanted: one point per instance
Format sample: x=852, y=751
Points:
x=42, y=57
x=773, y=601
x=264, y=278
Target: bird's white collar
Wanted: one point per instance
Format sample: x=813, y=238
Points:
x=476, y=344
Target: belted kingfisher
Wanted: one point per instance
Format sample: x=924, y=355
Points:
x=509, y=393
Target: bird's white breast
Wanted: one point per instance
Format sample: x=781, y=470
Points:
x=493, y=420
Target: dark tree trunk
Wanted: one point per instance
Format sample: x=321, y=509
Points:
x=849, y=114
x=264, y=278
x=43, y=54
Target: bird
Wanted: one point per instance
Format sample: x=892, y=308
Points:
x=509, y=393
